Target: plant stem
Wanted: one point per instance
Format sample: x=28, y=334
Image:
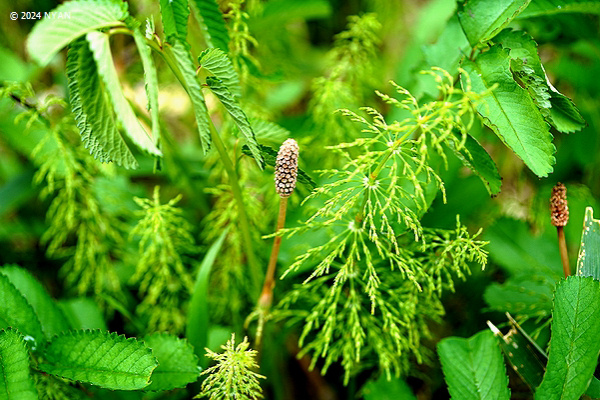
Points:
x=266, y=296
x=564, y=255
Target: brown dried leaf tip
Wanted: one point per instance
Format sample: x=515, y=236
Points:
x=286, y=168
x=559, y=210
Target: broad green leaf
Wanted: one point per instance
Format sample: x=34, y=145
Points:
x=50, y=316
x=483, y=19
x=211, y=19
x=549, y=7
x=101, y=358
x=509, y=111
x=574, y=345
x=525, y=357
x=16, y=311
x=384, y=389
x=270, y=158
x=588, y=259
x=83, y=313
x=474, y=368
x=238, y=115
x=100, y=48
x=564, y=116
x=198, y=323
x=477, y=159
x=92, y=109
x=150, y=79
x=523, y=294
x=16, y=382
x=49, y=35
x=527, y=68
x=217, y=63
x=181, y=52
x=175, y=15
x=177, y=363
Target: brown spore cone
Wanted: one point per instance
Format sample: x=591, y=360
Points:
x=286, y=168
x=559, y=210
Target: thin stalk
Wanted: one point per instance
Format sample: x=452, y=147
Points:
x=266, y=296
x=564, y=255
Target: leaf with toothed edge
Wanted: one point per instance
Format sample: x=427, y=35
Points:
x=214, y=28
x=177, y=363
x=175, y=14
x=16, y=311
x=218, y=63
x=17, y=383
x=101, y=358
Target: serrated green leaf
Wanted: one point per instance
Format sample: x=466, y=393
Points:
x=211, y=19
x=181, y=52
x=509, y=110
x=100, y=48
x=16, y=382
x=525, y=357
x=50, y=316
x=49, y=35
x=482, y=19
x=83, y=313
x=175, y=14
x=588, y=259
x=100, y=358
x=177, y=363
x=16, y=311
x=218, y=63
x=527, y=68
x=238, y=115
x=150, y=79
x=270, y=157
x=524, y=294
x=549, y=7
x=574, y=345
x=198, y=324
x=477, y=159
x=474, y=368
x=92, y=109
x=269, y=132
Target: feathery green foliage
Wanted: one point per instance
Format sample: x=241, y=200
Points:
x=233, y=377
x=161, y=274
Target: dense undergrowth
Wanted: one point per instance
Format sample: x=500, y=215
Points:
x=138, y=213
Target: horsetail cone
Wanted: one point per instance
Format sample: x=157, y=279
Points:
x=286, y=168
x=559, y=210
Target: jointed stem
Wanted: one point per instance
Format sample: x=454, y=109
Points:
x=564, y=255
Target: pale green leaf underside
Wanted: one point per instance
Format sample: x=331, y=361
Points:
x=49, y=35
x=238, y=115
x=213, y=24
x=151, y=80
x=474, y=368
x=574, y=345
x=100, y=47
x=92, y=109
x=100, y=358
x=182, y=55
x=217, y=63
x=526, y=65
x=549, y=7
x=483, y=19
x=15, y=311
x=175, y=15
x=178, y=365
x=509, y=111
x=198, y=324
x=15, y=379
x=50, y=316
x=588, y=260
x=476, y=158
